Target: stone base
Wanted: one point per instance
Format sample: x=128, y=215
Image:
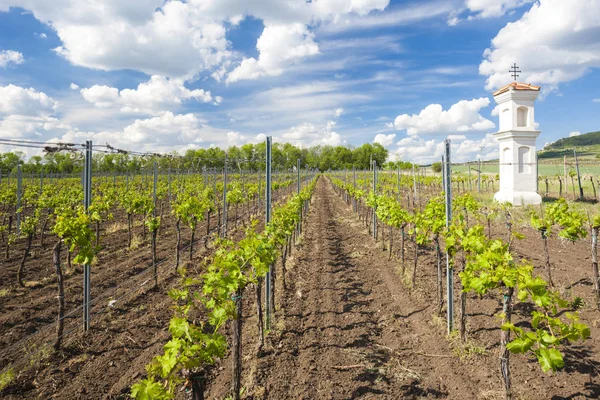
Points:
x=518, y=198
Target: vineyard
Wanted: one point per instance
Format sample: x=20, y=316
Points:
x=247, y=283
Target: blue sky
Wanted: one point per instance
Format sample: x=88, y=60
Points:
x=165, y=75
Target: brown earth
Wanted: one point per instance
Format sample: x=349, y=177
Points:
x=124, y=336
x=348, y=327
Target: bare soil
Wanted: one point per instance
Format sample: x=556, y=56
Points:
x=348, y=327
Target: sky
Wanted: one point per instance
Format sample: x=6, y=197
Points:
x=155, y=75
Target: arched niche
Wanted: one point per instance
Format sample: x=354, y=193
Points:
x=522, y=116
x=524, y=160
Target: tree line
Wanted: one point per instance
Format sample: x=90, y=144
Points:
x=246, y=157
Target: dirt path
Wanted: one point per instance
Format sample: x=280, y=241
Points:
x=348, y=328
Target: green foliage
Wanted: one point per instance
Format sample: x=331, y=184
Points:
x=73, y=226
x=194, y=344
x=571, y=223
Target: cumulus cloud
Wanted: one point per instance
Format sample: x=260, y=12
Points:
x=27, y=113
x=278, y=46
x=338, y=111
x=10, y=57
x=575, y=133
x=158, y=94
x=416, y=149
x=385, y=140
x=312, y=135
x=26, y=102
x=463, y=116
x=562, y=43
x=596, y=100
x=74, y=86
x=162, y=133
x=147, y=35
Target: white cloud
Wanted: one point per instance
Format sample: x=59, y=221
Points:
x=457, y=138
x=421, y=151
x=74, y=86
x=145, y=35
x=575, y=133
x=101, y=95
x=493, y=8
x=29, y=102
x=555, y=41
x=43, y=35
x=311, y=135
x=596, y=100
x=148, y=35
x=27, y=113
x=384, y=140
x=338, y=111
x=8, y=57
x=278, y=47
x=158, y=94
x=162, y=133
x=460, y=117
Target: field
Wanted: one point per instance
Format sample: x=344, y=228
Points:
x=356, y=314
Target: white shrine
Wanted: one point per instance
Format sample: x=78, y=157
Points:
x=516, y=136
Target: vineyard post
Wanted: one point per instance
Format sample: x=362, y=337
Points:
x=19, y=194
x=375, y=193
x=565, y=168
x=41, y=180
x=154, y=232
x=298, y=168
x=470, y=183
x=449, y=272
x=169, y=183
x=578, y=175
x=354, y=184
x=479, y=177
x=414, y=184
x=398, y=179
x=443, y=172
x=87, y=199
x=224, y=224
x=299, y=229
x=267, y=220
x=345, y=184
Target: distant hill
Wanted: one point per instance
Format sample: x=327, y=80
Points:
x=586, y=145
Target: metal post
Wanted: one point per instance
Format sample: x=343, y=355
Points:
x=268, y=289
x=354, y=184
x=154, y=189
x=298, y=168
x=449, y=271
x=398, y=178
x=470, y=184
x=374, y=166
x=578, y=176
x=224, y=234
x=169, y=185
x=19, y=194
x=479, y=177
x=414, y=184
x=87, y=200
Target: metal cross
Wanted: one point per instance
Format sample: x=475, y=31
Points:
x=514, y=70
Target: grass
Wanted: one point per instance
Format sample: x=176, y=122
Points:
x=6, y=377
x=136, y=242
x=116, y=227
x=4, y=292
